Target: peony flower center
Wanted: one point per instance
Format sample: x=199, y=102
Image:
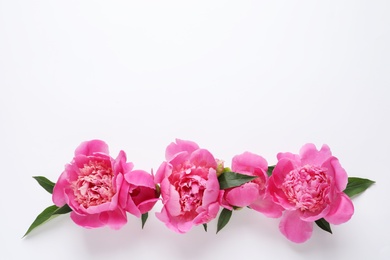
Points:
x=94, y=184
x=307, y=187
x=190, y=183
x=191, y=192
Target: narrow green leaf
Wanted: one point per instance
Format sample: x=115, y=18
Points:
x=223, y=219
x=63, y=210
x=270, y=169
x=47, y=214
x=205, y=227
x=324, y=225
x=45, y=183
x=41, y=218
x=144, y=217
x=233, y=179
x=356, y=186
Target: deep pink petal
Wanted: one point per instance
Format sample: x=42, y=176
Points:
x=88, y=148
x=243, y=195
x=171, y=198
x=292, y=157
x=180, y=146
x=114, y=219
x=140, y=178
x=313, y=216
x=147, y=205
x=310, y=155
x=163, y=171
x=58, y=191
x=266, y=206
x=203, y=158
x=249, y=163
x=120, y=165
x=294, y=228
x=337, y=172
x=211, y=193
x=86, y=221
x=207, y=215
x=341, y=210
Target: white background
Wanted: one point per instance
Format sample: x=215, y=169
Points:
x=262, y=76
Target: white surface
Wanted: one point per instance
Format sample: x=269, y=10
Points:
x=262, y=76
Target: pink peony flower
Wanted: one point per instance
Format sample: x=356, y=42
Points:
x=189, y=186
x=253, y=193
x=309, y=186
x=99, y=189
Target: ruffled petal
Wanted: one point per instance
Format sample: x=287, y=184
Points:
x=180, y=146
x=266, y=206
x=294, y=228
x=243, y=195
x=310, y=155
x=88, y=148
x=341, y=210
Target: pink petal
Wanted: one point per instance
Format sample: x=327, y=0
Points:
x=180, y=146
x=337, y=172
x=58, y=192
x=243, y=195
x=203, y=158
x=163, y=171
x=140, y=178
x=114, y=219
x=266, y=206
x=292, y=157
x=211, y=193
x=294, y=228
x=87, y=221
x=341, y=210
x=88, y=148
x=310, y=155
x=249, y=163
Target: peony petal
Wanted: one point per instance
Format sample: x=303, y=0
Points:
x=243, y=195
x=161, y=173
x=203, y=158
x=180, y=146
x=211, y=192
x=120, y=165
x=249, y=163
x=88, y=148
x=339, y=175
x=294, y=228
x=310, y=155
x=58, y=196
x=341, y=210
x=114, y=219
x=140, y=178
x=292, y=157
x=266, y=206
x=87, y=221
x=171, y=198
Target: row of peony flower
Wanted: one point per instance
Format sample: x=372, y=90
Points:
x=301, y=188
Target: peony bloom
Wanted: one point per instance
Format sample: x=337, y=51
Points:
x=99, y=189
x=189, y=186
x=309, y=186
x=253, y=193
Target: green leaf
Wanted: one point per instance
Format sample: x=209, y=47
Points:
x=233, y=179
x=47, y=214
x=356, y=186
x=270, y=169
x=45, y=183
x=223, y=219
x=324, y=225
x=205, y=227
x=63, y=210
x=144, y=217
